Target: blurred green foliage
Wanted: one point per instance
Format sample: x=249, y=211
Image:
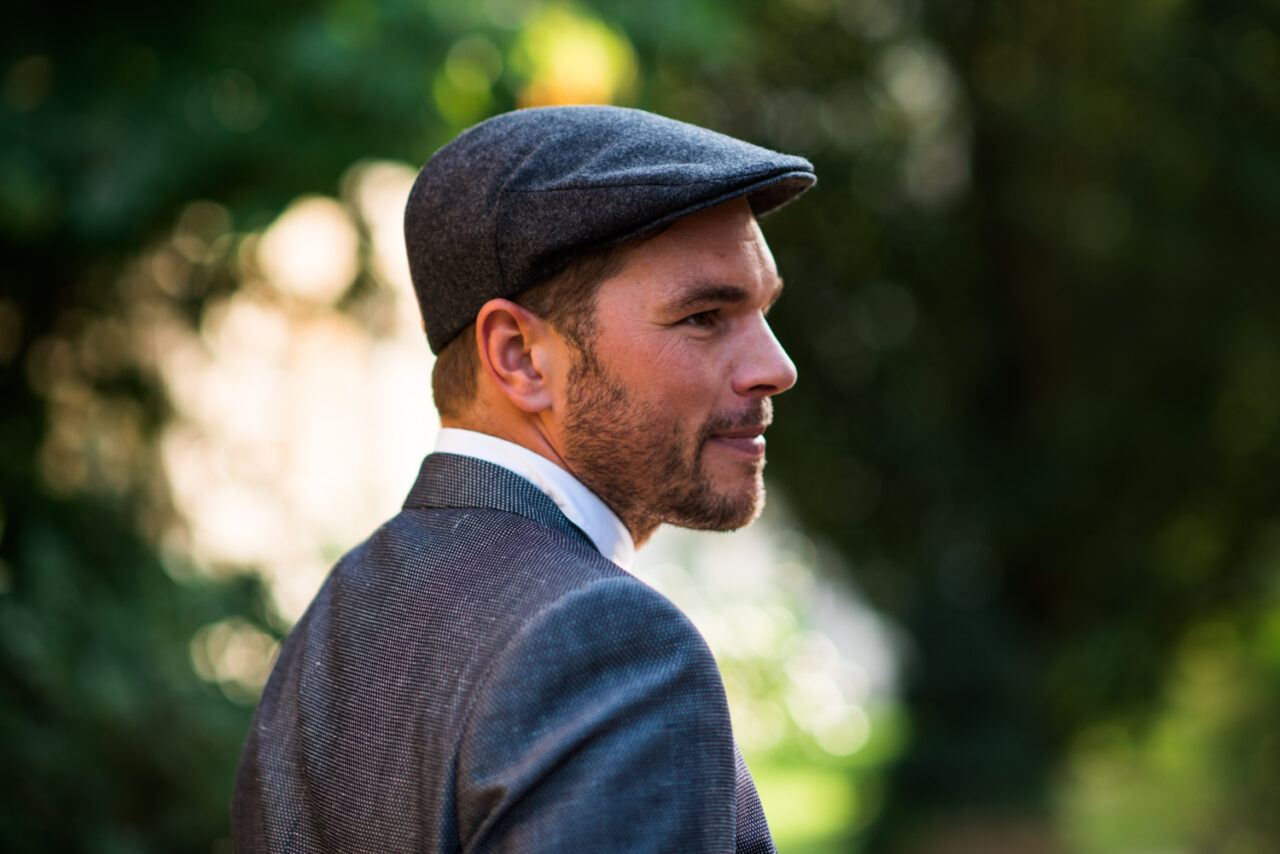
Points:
x=1032, y=301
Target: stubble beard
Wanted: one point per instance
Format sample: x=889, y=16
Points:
x=648, y=467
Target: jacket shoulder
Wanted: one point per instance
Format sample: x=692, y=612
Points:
x=603, y=721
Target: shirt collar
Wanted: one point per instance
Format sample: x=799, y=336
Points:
x=582, y=506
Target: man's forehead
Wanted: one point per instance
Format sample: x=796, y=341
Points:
x=717, y=246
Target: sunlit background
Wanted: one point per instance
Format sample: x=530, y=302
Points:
x=1016, y=588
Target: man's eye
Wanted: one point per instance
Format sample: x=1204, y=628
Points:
x=703, y=319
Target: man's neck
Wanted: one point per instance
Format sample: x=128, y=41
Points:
x=530, y=433
x=582, y=506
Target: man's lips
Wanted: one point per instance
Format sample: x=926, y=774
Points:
x=744, y=441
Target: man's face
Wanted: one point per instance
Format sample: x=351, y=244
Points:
x=664, y=412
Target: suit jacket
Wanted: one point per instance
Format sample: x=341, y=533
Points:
x=476, y=677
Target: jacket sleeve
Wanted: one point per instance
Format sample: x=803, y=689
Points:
x=602, y=726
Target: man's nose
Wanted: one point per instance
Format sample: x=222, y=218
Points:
x=765, y=368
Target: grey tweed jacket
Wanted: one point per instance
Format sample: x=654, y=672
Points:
x=476, y=677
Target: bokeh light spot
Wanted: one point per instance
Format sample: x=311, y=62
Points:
x=570, y=57
x=236, y=655
x=311, y=251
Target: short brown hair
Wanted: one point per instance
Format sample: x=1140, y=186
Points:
x=565, y=301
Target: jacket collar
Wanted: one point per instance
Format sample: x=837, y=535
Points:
x=451, y=480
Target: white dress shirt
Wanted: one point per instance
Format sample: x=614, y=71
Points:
x=582, y=506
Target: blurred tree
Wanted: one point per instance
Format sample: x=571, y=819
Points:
x=113, y=119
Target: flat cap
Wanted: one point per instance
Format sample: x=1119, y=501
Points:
x=515, y=199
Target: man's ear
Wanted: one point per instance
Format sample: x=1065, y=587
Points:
x=518, y=353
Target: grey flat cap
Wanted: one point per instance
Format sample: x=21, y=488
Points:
x=515, y=199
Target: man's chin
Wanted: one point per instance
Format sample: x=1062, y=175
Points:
x=723, y=509
x=739, y=517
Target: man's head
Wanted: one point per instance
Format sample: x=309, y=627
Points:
x=595, y=283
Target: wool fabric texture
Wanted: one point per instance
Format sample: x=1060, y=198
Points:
x=514, y=200
x=477, y=677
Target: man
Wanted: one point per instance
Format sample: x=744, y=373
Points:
x=482, y=674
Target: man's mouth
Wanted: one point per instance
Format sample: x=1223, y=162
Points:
x=742, y=434
x=746, y=441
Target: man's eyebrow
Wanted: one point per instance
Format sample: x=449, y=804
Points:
x=714, y=292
